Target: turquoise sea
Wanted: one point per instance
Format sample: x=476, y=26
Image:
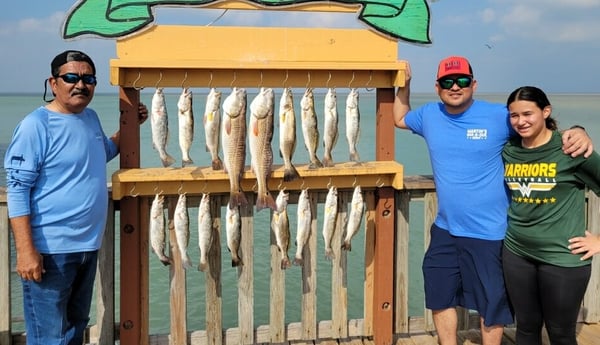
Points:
x=569, y=109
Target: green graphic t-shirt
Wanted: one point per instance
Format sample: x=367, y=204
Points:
x=548, y=200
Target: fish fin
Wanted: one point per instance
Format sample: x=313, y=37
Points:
x=228, y=127
x=298, y=261
x=255, y=128
x=266, y=201
x=285, y=263
x=187, y=162
x=217, y=164
x=202, y=266
x=186, y=263
x=327, y=161
x=315, y=163
x=167, y=160
x=237, y=199
x=290, y=173
x=347, y=246
x=329, y=254
x=354, y=157
x=165, y=261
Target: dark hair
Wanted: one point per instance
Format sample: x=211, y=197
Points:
x=68, y=56
x=535, y=95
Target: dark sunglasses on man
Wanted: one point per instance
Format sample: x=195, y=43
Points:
x=462, y=82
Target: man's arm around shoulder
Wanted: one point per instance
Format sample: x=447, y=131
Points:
x=402, y=101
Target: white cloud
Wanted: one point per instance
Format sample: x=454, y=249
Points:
x=488, y=15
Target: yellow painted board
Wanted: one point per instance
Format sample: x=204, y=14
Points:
x=311, y=7
x=257, y=44
x=196, y=180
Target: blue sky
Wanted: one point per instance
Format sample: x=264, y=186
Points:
x=551, y=44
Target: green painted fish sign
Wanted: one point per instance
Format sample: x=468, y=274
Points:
x=406, y=20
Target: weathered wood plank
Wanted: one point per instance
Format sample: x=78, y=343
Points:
x=177, y=283
x=402, y=279
x=277, y=291
x=246, y=275
x=339, y=264
x=214, y=302
x=591, y=301
x=5, y=266
x=430, y=211
x=309, y=277
x=370, y=233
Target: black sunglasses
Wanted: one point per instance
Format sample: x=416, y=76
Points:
x=72, y=78
x=447, y=83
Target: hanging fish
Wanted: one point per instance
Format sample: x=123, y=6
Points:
x=354, y=218
x=181, y=224
x=329, y=220
x=304, y=226
x=260, y=133
x=233, y=229
x=287, y=134
x=352, y=123
x=185, y=116
x=159, y=122
x=330, y=133
x=233, y=138
x=204, y=231
x=280, y=225
x=212, y=121
x=310, y=130
x=158, y=235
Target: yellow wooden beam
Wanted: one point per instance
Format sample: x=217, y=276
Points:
x=197, y=180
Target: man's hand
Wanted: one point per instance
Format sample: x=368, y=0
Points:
x=577, y=142
x=143, y=113
x=30, y=265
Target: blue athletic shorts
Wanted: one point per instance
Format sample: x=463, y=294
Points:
x=466, y=272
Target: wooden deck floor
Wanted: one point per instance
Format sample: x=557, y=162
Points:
x=587, y=334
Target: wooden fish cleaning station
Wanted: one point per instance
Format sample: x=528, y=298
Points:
x=177, y=56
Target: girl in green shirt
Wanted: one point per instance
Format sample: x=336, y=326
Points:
x=547, y=250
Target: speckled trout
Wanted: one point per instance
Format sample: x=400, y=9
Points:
x=159, y=121
x=205, y=231
x=280, y=225
x=212, y=122
x=329, y=220
x=181, y=223
x=303, y=229
x=352, y=123
x=310, y=130
x=185, y=115
x=330, y=131
x=355, y=216
x=157, y=230
x=233, y=229
x=287, y=134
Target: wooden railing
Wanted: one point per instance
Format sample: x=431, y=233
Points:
x=308, y=328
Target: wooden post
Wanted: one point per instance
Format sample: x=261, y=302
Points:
x=5, y=264
x=383, y=314
x=134, y=244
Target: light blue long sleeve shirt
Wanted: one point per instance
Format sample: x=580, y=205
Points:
x=56, y=174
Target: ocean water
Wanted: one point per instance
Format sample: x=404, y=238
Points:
x=568, y=109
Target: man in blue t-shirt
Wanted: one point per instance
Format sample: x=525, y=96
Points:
x=465, y=137
x=57, y=201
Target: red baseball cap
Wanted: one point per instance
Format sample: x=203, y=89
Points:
x=454, y=65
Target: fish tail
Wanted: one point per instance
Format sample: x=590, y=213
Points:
x=327, y=161
x=167, y=160
x=187, y=162
x=236, y=261
x=298, y=261
x=329, y=254
x=290, y=173
x=217, y=164
x=285, y=263
x=166, y=261
x=266, y=201
x=237, y=199
x=202, y=266
x=315, y=163
x=354, y=156
x=347, y=246
x=186, y=262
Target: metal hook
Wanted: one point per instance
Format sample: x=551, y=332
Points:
x=355, y=180
x=302, y=185
x=184, y=79
x=204, y=188
x=329, y=183
x=179, y=191
x=369, y=81
x=211, y=79
x=156, y=191
x=234, y=78
x=378, y=184
x=308, y=82
x=351, y=80
x=328, y=79
x=159, y=79
x=136, y=80
x=287, y=75
x=261, y=80
x=131, y=192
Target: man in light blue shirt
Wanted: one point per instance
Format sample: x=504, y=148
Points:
x=57, y=202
